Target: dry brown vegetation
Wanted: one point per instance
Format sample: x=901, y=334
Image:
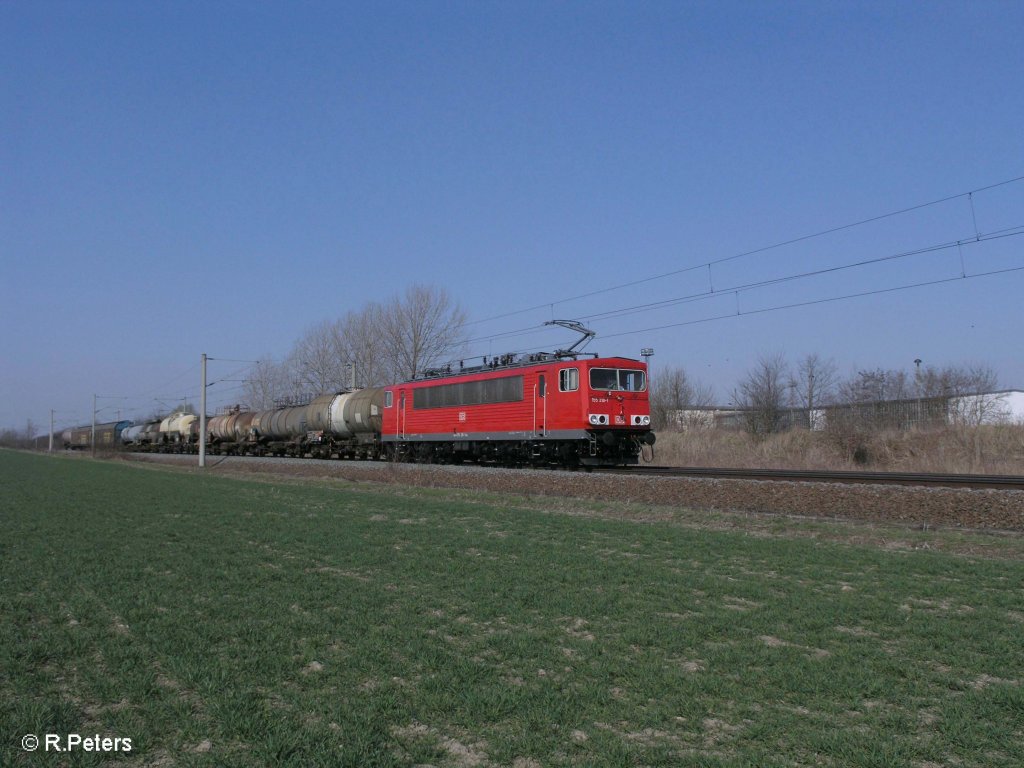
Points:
x=977, y=450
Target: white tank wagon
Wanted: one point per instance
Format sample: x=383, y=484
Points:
x=362, y=412
x=176, y=428
x=142, y=435
x=346, y=424
x=131, y=435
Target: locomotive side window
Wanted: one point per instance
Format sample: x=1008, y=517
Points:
x=389, y=399
x=568, y=379
x=505, y=390
x=618, y=380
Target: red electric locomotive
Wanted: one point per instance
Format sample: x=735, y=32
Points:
x=554, y=409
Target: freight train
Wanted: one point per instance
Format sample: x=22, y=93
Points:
x=548, y=409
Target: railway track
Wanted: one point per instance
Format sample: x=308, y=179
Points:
x=1000, y=482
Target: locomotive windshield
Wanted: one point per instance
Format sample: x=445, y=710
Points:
x=618, y=380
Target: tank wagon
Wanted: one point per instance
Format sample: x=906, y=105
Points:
x=343, y=424
x=142, y=434
x=346, y=424
x=229, y=430
x=176, y=433
x=179, y=429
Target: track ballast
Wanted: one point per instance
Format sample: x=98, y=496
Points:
x=1000, y=482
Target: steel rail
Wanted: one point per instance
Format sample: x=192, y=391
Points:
x=1001, y=482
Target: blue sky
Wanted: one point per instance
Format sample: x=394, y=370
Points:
x=181, y=178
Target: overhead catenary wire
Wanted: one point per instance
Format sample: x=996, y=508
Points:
x=976, y=237
x=136, y=407
x=969, y=194
x=794, y=305
x=745, y=287
x=739, y=312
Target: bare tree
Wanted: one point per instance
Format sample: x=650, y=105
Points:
x=19, y=438
x=359, y=341
x=385, y=343
x=419, y=330
x=673, y=392
x=813, y=384
x=954, y=380
x=875, y=386
x=10, y=437
x=319, y=361
x=970, y=391
x=267, y=383
x=762, y=394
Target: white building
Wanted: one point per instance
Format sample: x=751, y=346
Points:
x=1004, y=407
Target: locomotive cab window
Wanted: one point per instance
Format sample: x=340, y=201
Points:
x=389, y=399
x=568, y=379
x=618, y=380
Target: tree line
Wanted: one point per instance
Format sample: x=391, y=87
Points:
x=11, y=437
x=381, y=343
x=773, y=389
x=424, y=327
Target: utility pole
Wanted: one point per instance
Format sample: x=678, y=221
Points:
x=94, y=426
x=50, y=450
x=202, y=415
x=917, y=386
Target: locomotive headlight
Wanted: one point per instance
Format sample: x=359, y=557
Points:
x=598, y=419
x=642, y=421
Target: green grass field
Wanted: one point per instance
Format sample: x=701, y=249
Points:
x=220, y=622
